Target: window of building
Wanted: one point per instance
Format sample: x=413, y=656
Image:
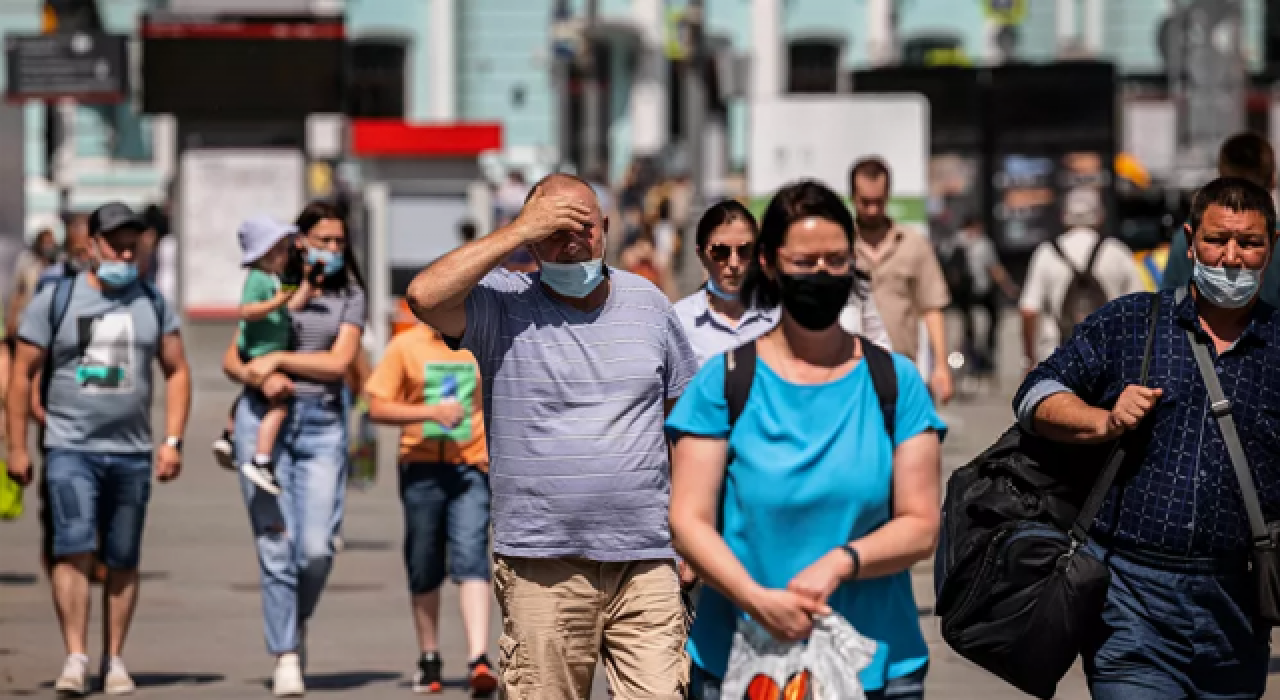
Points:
x=813, y=65
x=375, y=78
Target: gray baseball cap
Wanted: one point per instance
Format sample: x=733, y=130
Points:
x=259, y=235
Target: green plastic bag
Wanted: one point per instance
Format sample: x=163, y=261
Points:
x=10, y=495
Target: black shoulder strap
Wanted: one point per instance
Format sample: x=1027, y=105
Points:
x=1063, y=254
x=885, y=380
x=1089, y=512
x=157, y=303
x=1093, y=254
x=62, y=291
x=739, y=373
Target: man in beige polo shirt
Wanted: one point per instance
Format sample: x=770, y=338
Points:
x=906, y=280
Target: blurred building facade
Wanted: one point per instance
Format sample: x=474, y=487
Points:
x=520, y=62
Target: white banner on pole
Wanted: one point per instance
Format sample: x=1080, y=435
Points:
x=220, y=189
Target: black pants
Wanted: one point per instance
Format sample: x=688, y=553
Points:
x=983, y=357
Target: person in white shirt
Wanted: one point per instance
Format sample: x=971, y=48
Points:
x=1050, y=273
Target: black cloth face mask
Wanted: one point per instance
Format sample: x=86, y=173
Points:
x=815, y=300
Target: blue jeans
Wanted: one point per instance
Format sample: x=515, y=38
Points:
x=293, y=532
x=444, y=503
x=704, y=686
x=91, y=492
x=1177, y=628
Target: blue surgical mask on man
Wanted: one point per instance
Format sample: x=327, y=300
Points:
x=117, y=274
x=332, y=261
x=1227, y=288
x=573, y=280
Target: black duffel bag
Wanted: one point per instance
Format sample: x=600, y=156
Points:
x=1018, y=593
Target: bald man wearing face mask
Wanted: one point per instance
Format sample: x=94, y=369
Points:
x=581, y=363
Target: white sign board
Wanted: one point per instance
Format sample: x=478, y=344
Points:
x=820, y=137
x=218, y=190
x=1150, y=135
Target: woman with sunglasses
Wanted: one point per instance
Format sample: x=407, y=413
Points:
x=715, y=318
x=806, y=503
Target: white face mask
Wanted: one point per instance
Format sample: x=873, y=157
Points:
x=1227, y=288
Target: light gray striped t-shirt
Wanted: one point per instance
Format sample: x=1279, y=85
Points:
x=573, y=406
x=315, y=329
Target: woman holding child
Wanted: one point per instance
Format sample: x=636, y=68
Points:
x=294, y=531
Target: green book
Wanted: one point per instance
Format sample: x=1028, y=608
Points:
x=450, y=381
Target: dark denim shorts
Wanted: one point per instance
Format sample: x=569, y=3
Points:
x=444, y=504
x=92, y=493
x=1177, y=628
x=704, y=686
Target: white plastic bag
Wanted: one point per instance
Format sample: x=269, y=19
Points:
x=833, y=656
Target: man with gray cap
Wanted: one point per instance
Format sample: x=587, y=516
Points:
x=95, y=336
x=1073, y=275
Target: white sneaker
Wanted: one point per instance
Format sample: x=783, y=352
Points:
x=224, y=452
x=287, y=680
x=261, y=477
x=73, y=682
x=116, y=679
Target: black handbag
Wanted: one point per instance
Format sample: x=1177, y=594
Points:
x=1264, y=557
x=1018, y=593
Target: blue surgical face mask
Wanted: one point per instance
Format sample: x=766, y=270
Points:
x=117, y=274
x=1227, y=288
x=332, y=261
x=718, y=292
x=574, y=280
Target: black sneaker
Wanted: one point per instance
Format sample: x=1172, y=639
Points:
x=482, y=678
x=427, y=678
x=224, y=451
x=262, y=474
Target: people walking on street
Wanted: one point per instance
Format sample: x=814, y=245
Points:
x=982, y=279
x=1072, y=276
x=1181, y=618
x=27, y=269
x=716, y=318
x=96, y=336
x=815, y=487
x=434, y=393
x=906, y=280
x=1246, y=155
x=77, y=254
x=294, y=532
x=265, y=305
x=579, y=361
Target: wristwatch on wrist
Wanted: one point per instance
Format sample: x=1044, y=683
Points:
x=174, y=441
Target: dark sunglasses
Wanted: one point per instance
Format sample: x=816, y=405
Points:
x=720, y=252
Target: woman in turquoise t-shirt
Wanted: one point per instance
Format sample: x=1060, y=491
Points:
x=822, y=508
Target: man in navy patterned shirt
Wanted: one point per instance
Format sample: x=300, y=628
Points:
x=1180, y=619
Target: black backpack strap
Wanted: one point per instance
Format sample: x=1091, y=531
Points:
x=63, y=289
x=157, y=303
x=1063, y=254
x=1101, y=487
x=739, y=373
x=885, y=380
x=1093, y=254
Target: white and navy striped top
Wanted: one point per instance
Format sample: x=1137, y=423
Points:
x=574, y=412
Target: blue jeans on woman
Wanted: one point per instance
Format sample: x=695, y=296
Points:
x=294, y=531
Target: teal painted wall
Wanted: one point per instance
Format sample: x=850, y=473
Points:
x=504, y=48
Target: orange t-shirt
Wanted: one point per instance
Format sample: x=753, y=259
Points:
x=419, y=367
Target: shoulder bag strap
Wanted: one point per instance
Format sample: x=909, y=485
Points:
x=739, y=373
x=884, y=379
x=1093, y=254
x=1101, y=487
x=1220, y=407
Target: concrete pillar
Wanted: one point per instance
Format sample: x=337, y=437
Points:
x=1065, y=26
x=443, y=58
x=881, y=42
x=1092, y=30
x=768, y=63
x=649, y=84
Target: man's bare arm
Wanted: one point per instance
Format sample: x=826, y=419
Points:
x=438, y=295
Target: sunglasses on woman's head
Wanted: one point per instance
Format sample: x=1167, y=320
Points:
x=720, y=252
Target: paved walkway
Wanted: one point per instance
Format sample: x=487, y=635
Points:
x=198, y=630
